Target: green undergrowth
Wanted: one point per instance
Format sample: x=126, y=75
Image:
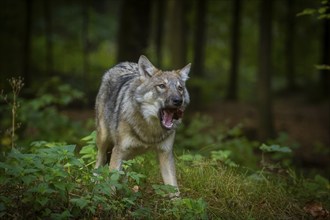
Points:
x=52, y=181
x=221, y=173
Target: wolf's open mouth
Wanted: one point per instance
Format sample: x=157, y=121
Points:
x=167, y=115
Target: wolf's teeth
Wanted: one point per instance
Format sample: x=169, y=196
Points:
x=167, y=118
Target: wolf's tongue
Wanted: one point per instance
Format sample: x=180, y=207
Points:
x=167, y=118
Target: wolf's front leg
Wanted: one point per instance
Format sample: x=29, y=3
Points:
x=167, y=168
x=117, y=157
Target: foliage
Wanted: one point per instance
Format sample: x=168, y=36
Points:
x=228, y=145
x=221, y=180
x=322, y=11
x=40, y=117
x=51, y=181
x=16, y=86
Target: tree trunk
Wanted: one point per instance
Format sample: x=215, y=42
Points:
x=159, y=31
x=133, y=31
x=49, y=38
x=85, y=39
x=199, y=48
x=325, y=73
x=199, y=41
x=266, y=128
x=177, y=33
x=235, y=51
x=289, y=45
x=27, y=43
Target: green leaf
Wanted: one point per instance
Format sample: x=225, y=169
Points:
x=136, y=176
x=128, y=200
x=274, y=148
x=28, y=179
x=91, y=136
x=322, y=181
x=43, y=201
x=322, y=67
x=80, y=202
x=307, y=11
x=64, y=215
x=60, y=186
x=323, y=9
x=4, y=180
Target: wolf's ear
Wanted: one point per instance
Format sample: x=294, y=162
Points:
x=184, y=72
x=145, y=66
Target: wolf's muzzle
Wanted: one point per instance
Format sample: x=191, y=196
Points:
x=177, y=101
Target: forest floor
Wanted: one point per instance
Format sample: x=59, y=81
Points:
x=210, y=187
x=306, y=123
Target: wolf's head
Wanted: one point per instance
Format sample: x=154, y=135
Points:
x=162, y=95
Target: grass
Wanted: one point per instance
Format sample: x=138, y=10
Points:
x=51, y=181
x=231, y=193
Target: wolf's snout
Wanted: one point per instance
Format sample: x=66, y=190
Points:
x=177, y=101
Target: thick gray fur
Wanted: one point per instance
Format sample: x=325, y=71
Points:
x=132, y=113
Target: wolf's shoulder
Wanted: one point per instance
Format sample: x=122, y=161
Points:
x=124, y=70
x=127, y=66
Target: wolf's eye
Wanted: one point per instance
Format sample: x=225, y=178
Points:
x=162, y=86
x=180, y=88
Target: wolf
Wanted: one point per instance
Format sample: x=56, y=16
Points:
x=138, y=108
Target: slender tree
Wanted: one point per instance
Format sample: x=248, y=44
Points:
x=199, y=40
x=159, y=24
x=235, y=51
x=49, y=37
x=325, y=73
x=289, y=46
x=134, y=25
x=177, y=33
x=27, y=42
x=85, y=33
x=199, y=47
x=266, y=127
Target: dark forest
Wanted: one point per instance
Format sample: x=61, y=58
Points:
x=257, y=128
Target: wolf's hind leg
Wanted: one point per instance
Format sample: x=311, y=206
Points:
x=103, y=144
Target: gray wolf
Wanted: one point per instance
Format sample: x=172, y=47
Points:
x=138, y=107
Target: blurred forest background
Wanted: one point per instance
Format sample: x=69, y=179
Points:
x=255, y=63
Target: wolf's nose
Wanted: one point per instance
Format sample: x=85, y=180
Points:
x=177, y=101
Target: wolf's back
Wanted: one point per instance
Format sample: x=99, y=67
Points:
x=116, y=88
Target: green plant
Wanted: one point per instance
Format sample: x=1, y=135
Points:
x=322, y=11
x=16, y=85
x=40, y=118
x=224, y=157
x=52, y=182
x=202, y=136
x=88, y=152
x=278, y=154
x=163, y=190
x=188, y=208
x=318, y=186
